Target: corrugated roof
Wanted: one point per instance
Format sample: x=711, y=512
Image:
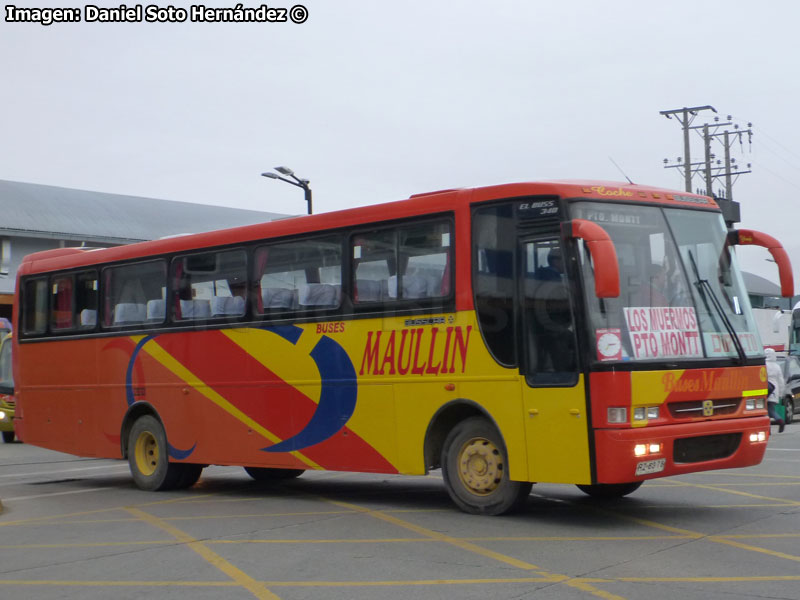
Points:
x=757, y=285
x=35, y=210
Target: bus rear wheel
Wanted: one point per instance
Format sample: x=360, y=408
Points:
x=610, y=490
x=148, y=458
x=268, y=474
x=475, y=470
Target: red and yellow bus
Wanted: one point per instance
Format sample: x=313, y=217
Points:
x=566, y=332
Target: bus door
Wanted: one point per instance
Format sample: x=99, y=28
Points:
x=554, y=399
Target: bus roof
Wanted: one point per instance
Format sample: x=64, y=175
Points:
x=418, y=204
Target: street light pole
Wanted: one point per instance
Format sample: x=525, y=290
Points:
x=295, y=181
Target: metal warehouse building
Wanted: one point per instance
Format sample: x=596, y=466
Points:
x=41, y=217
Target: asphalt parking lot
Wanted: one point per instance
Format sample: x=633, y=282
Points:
x=78, y=528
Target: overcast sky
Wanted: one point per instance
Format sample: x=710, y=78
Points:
x=375, y=100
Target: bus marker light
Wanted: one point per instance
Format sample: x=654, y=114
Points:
x=450, y=387
x=617, y=414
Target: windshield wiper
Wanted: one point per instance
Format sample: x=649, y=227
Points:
x=703, y=284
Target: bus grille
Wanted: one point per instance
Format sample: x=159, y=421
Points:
x=697, y=408
x=707, y=447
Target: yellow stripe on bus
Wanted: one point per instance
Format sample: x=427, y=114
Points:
x=171, y=363
x=750, y=393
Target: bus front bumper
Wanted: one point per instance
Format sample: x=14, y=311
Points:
x=625, y=455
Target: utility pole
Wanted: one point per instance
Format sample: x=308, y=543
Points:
x=685, y=116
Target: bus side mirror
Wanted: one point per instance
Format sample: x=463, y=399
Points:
x=748, y=237
x=604, y=255
x=6, y=388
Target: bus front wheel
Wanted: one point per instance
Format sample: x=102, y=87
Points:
x=610, y=490
x=475, y=470
x=148, y=458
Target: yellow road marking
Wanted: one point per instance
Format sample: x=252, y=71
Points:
x=474, y=548
x=719, y=488
x=714, y=538
x=94, y=583
x=258, y=589
x=171, y=363
x=735, y=544
x=423, y=531
x=50, y=518
x=578, y=582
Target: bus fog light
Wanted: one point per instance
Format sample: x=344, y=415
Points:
x=760, y=436
x=639, y=413
x=655, y=448
x=617, y=414
x=640, y=449
x=652, y=412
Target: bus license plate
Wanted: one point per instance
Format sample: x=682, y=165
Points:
x=651, y=466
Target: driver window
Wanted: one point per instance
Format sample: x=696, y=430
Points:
x=549, y=329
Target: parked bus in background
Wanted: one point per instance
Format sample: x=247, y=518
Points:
x=7, y=402
x=582, y=333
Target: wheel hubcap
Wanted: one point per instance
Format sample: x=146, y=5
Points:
x=146, y=453
x=480, y=466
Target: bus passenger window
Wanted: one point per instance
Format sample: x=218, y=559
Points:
x=61, y=304
x=129, y=292
x=409, y=262
x=493, y=281
x=86, y=300
x=210, y=285
x=35, y=307
x=304, y=275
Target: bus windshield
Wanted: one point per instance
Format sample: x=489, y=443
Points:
x=681, y=291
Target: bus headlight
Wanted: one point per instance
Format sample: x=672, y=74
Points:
x=754, y=404
x=2, y=415
x=644, y=413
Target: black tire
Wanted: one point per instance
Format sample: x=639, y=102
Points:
x=788, y=405
x=148, y=457
x=610, y=490
x=8, y=437
x=475, y=470
x=268, y=474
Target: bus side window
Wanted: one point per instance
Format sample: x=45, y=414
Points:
x=61, y=303
x=86, y=300
x=493, y=281
x=129, y=289
x=35, y=307
x=408, y=262
x=210, y=285
x=303, y=275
